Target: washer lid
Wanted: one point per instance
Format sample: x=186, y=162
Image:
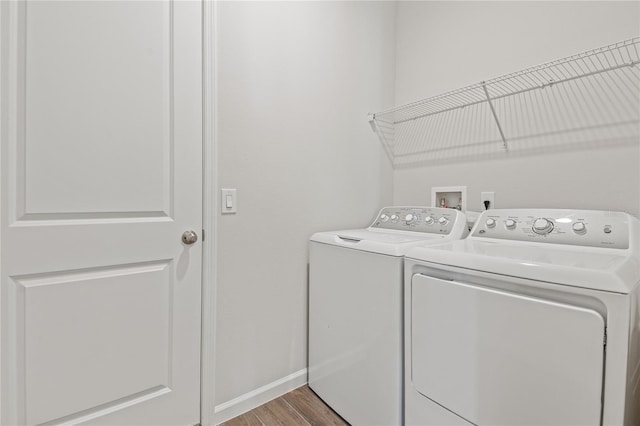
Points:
x=611, y=270
x=389, y=242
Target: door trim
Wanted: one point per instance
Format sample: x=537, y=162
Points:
x=210, y=206
x=8, y=111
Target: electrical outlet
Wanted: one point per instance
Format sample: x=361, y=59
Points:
x=488, y=196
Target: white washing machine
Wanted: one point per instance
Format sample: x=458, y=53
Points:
x=531, y=320
x=355, y=310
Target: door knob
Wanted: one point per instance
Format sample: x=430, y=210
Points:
x=189, y=237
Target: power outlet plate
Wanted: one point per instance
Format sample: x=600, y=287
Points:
x=490, y=197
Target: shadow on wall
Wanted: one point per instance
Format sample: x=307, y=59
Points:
x=586, y=101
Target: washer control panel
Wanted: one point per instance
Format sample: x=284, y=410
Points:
x=574, y=227
x=432, y=220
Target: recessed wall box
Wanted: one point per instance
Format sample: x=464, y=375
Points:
x=449, y=196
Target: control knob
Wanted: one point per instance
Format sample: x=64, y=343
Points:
x=542, y=226
x=429, y=220
x=394, y=218
x=579, y=228
x=384, y=218
x=409, y=218
x=510, y=223
x=491, y=223
x=443, y=221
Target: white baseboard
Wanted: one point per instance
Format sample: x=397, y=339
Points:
x=257, y=397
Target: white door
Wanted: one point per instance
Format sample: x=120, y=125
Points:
x=101, y=174
x=498, y=358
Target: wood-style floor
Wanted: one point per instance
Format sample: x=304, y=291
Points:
x=298, y=407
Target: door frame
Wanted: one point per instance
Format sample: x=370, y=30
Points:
x=210, y=208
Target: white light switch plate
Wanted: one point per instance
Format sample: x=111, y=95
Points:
x=228, y=201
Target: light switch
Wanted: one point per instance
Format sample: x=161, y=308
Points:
x=228, y=204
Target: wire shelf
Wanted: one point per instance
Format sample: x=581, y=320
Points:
x=589, y=99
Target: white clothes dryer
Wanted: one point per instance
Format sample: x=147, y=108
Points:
x=355, y=310
x=531, y=320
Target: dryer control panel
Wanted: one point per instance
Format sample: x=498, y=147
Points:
x=432, y=220
x=574, y=227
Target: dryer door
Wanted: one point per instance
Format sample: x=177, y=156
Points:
x=499, y=358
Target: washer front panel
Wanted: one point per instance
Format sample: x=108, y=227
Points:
x=355, y=333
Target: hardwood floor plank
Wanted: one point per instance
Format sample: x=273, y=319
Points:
x=312, y=408
x=246, y=419
x=300, y=407
x=279, y=413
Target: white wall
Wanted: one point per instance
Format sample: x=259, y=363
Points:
x=295, y=83
x=442, y=46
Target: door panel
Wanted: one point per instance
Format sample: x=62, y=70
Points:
x=98, y=85
x=497, y=358
x=101, y=174
x=131, y=351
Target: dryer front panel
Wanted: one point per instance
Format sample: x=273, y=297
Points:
x=499, y=358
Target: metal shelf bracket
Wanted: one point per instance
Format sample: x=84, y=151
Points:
x=495, y=116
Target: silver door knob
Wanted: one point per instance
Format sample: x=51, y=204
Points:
x=189, y=237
